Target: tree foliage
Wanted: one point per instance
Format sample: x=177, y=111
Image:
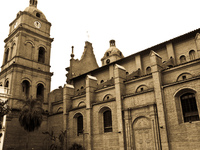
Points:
x=4, y=108
x=57, y=142
x=76, y=146
x=30, y=117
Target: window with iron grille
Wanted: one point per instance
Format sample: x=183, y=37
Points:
x=189, y=107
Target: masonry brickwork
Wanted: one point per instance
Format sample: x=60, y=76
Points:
x=148, y=100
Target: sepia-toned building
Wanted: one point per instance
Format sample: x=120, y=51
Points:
x=149, y=100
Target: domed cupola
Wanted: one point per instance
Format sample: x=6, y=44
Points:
x=32, y=9
x=112, y=54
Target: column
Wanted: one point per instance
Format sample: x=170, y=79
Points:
x=197, y=40
x=68, y=92
x=156, y=63
x=170, y=51
x=91, y=85
x=138, y=62
x=128, y=129
x=119, y=77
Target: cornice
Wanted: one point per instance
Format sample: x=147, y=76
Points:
x=21, y=28
x=13, y=65
x=181, y=82
x=24, y=12
x=25, y=59
x=138, y=93
x=183, y=65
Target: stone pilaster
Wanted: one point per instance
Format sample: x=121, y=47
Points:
x=68, y=92
x=111, y=71
x=119, y=77
x=128, y=129
x=197, y=40
x=170, y=51
x=156, y=63
x=91, y=85
x=138, y=63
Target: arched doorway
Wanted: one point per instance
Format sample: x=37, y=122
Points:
x=143, y=135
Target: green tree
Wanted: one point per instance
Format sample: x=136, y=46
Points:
x=30, y=117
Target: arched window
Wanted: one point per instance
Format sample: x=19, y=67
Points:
x=182, y=59
x=25, y=88
x=40, y=92
x=107, y=61
x=13, y=51
x=41, y=55
x=107, y=97
x=148, y=70
x=81, y=104
x=107, y=121
x=141, y=88
x=38, y=15
x=29, y=50
x=80, y=124
x=6, y=56
x=192, y=55
x=189, y=107
x=107, y=54
x=184, y=76
x=6, y=83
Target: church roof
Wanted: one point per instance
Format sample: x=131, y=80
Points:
x=155, y=47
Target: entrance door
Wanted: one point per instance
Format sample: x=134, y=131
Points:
x=143, y=135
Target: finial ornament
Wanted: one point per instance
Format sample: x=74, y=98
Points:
x=33, y=3
x=88, y=36
x=72, y=55
x=112, y=43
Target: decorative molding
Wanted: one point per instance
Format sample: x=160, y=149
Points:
x=68, y=86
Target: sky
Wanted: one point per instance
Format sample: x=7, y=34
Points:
x=134, y=24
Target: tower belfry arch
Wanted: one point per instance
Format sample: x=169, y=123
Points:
x=33, y=3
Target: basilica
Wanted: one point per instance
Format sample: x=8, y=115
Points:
x=149, y=100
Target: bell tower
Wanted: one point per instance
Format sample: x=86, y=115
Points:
x=25, y=70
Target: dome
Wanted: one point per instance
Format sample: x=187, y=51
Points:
x=32, y=9
x=113, y=50
x=36, y=12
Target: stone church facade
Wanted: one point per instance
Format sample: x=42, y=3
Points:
x=149, y=100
